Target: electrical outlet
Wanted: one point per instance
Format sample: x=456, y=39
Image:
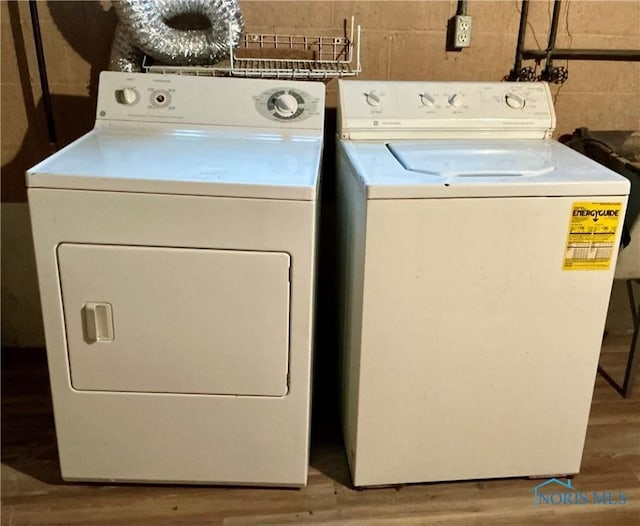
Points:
x=462, y=31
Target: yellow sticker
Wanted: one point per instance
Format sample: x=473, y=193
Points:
x=592, y=236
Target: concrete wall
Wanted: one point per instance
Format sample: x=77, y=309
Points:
x=400, y=40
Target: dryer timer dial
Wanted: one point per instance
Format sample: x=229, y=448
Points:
x=285, y=105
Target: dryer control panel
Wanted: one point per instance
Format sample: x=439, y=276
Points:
x=398, y=109
x=286, y=104
x=210, y=101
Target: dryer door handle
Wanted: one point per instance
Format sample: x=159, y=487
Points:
x=98, y=322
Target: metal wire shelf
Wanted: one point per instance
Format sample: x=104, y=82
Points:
x=282, y=56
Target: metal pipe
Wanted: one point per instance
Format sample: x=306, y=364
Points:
x=524, y=13
x=553, y=33
x=629, y=55
x=627, y=384
x=42, y=72
x=551, y=53
x=462, y=7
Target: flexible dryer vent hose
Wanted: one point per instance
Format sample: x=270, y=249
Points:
x=144, y=29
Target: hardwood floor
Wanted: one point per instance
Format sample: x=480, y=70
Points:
x=33, y=493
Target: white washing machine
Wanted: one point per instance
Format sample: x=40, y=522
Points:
x=175, y=246
x=477, y=257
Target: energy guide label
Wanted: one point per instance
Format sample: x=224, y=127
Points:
x=592, y=236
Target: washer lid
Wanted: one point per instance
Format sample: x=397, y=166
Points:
x=478, y=168
x=464, y=160
x=190, y=161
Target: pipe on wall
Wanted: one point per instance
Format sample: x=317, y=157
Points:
x=627, y=55
x=42, y=73
x=522, y=30
x=551, y=53
x=553, y=33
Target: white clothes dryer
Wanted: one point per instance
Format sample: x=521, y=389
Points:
x=176, y=247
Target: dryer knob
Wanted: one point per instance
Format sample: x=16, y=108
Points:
x=286, y=105
x=127, y=96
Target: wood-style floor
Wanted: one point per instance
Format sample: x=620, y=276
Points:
x=33, y=493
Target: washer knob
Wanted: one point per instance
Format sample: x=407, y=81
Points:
x=373, y=99
x=514, y=101
x=427, y=100
x=455, y=100
x=127, y=96
x=286, y=105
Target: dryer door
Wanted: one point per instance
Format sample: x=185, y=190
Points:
x=176, y=320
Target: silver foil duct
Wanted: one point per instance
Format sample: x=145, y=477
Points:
x=124, y=55
x=143, y=28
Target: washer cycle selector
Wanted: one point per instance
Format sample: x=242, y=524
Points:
x=373, y=99
x=514, y=101
x=427, y=100
x=127, y=96
x=455, y=100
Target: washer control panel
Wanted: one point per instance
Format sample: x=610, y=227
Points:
x=210, y=101
x=285, y=103
x=392, y=109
